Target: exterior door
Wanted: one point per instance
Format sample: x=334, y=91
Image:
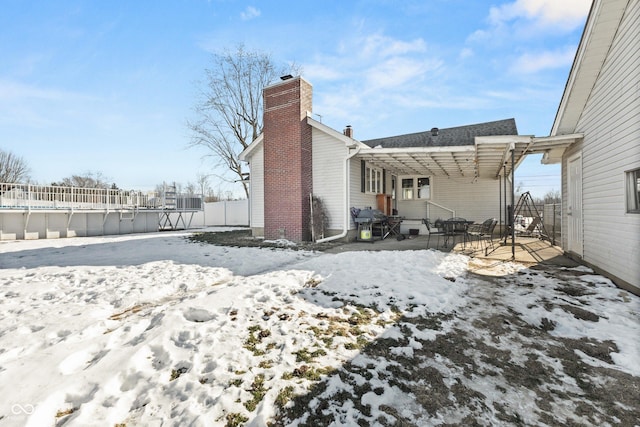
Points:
x=574, y=205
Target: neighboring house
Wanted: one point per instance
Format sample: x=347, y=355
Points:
x=464, y=171
x=601, y=173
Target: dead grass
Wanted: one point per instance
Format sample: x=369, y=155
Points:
x=485, y=342
x=488, y=343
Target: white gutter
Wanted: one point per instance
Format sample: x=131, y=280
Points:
x=347, y=211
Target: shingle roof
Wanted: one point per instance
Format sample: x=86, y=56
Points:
x=456, y=136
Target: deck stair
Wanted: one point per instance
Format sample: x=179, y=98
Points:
x=170, y=196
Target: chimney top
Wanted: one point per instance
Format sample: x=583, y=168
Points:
x=286, y=77
x=348, y=131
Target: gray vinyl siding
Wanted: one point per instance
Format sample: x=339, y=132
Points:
x=328, y=175
x=611, y=125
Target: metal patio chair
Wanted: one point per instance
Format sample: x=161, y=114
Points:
x=483, y=233
x=433, y=229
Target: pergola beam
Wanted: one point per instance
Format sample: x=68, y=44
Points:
x=487, y=158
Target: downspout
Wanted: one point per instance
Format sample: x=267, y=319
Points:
x=347, y=191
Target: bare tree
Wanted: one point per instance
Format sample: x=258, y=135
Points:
x=518, y=191
x=13, y=169
x=229, y=106
x=552, y=196
x=205, y=188
x=86, y=180
x=203, y=182
x=191, y=189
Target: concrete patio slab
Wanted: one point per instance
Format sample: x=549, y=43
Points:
x=528, y=250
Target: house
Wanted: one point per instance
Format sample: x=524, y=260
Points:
x=464, y=171
x=601, y=172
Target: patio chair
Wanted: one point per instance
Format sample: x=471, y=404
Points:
x=483, y=233
x=433, y=229
x=533, y=228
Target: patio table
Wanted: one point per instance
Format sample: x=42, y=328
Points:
x=455, y=227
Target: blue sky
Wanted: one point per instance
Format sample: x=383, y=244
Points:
x=96, y=86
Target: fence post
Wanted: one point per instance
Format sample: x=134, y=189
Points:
x=554, y=224
x=224, y=210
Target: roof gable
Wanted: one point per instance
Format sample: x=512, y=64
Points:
x=246, y=154
x=349, y=142
x=599, y=32
x=448, y=137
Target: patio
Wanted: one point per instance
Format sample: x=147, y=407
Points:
x=528, y=250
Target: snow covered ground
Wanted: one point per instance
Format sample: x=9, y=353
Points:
x=153, y=329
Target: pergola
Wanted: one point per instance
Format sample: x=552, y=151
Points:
x=494, y=157
x=489, y=157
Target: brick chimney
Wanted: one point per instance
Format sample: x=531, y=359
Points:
x=348, y=131
x=287, y=160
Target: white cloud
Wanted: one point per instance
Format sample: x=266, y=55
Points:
x=375, y=57
x=544, y=13
x=15, y=90
x=377, y=45
x=249, y=13
x=23, y=104
x=398, y=71
x=381, y=72
x=375, y=82
x=530, y=19
x=33, y=106
x=466, y=53
x=533, y=62
x=319, y=71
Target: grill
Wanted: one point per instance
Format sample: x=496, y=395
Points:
x=370, y=222
x=370, y=216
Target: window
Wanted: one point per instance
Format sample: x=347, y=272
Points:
x=373, y=180
x=633, y=191
x=393, y=187
x=407, y=188
x=424, y=191
x=416, y=188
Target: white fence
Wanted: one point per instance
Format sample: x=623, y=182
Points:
x=552, y=219
x=45, y=211
x=27, y=196
x=233, y=213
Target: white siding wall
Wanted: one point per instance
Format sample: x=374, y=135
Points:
x=358, y=198
x=475, y=201
x=571, y=151
x=257, y=189
x=611, y=124
x=328, y=176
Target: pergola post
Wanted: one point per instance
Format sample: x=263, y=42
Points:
x=513, y=197
x=506, y=211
